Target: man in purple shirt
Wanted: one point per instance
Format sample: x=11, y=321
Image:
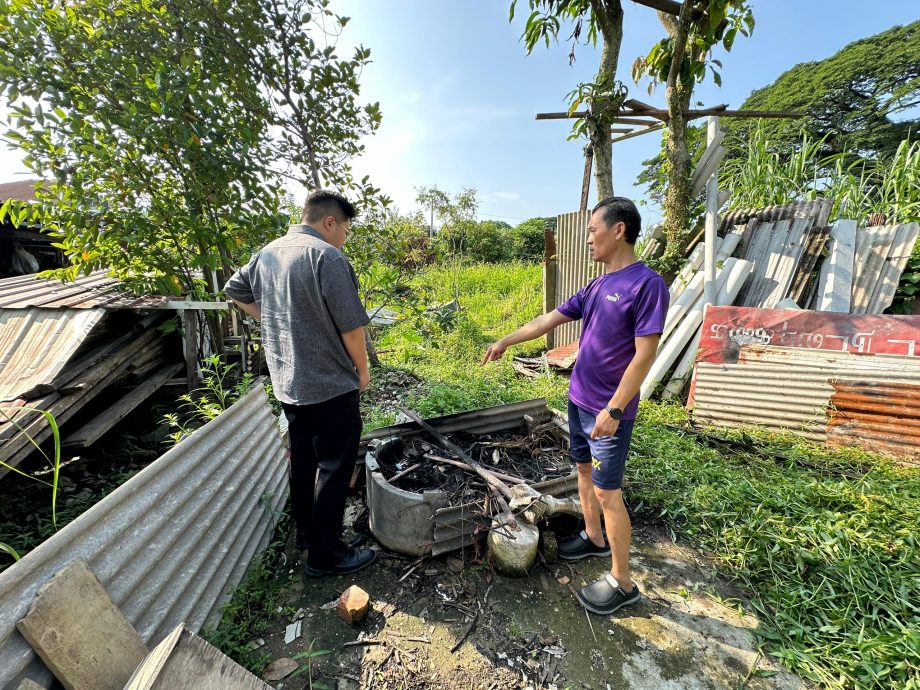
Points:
x=622, y=315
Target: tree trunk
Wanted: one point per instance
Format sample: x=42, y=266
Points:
x=677, y=155
x=609, y=16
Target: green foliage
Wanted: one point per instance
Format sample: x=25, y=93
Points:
x=219, y=389
x=165, y=130
x=770, y=173
x=850, y=98
x=718, y=23
x=529, y=240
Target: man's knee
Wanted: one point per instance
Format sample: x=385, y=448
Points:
x=609, y=498
x=584, y=468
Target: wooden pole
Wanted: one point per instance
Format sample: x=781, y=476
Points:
x=190, y=321
x=712, y=221
x=586, y=180
x=639, y=132
x=690, y=114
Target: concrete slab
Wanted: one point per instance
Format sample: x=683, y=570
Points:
x=80, y=634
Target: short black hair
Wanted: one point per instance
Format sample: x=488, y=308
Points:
x=619, y=208
x=324, y=202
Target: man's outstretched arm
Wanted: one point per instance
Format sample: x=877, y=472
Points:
x=533, y=329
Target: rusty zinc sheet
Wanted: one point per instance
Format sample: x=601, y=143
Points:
x=97, y=290
x=35, y=344
x=574, y=267
x=171, y=543
x=797, y=390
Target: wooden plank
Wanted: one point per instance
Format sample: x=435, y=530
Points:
x=83, y=638
x=638, y=132
x=763, y=252
x=183, y=661
x=91, y=432
x=887, y=285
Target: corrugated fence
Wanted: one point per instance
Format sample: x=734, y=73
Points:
x=574, y=267
x=170, y=543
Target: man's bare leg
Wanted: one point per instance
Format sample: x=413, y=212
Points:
x=619, y=532
x=589, y=504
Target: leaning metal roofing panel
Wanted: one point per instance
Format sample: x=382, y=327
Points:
x=797, y=389
x=170, y=543
x=818, y=210
x=35, y=344
x=97, y=290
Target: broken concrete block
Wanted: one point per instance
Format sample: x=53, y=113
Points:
x=513, y=546
x=83, y=638
x=293, y=631
x=353, y=604
x=184, y=660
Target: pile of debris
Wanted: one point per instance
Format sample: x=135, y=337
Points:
x=57, y=362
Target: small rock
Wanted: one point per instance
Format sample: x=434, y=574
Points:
x=455, y=565
x=564, y=580
x=353, y=604
x=292, y=632
x=299, y=615
x=280, y=668
x=329, y=605
x=255, y=644
x=384, y=608
x=432, y=571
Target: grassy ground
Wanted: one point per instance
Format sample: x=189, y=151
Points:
x=826, y=541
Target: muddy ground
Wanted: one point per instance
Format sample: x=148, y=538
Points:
x=690, y=631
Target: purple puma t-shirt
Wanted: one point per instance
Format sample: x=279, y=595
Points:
x=615, y=308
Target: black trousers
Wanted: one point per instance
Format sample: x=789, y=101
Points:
x=324, y=447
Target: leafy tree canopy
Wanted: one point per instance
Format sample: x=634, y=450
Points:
x=852, y=97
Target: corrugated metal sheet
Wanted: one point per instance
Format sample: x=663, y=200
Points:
x=884, y=417
x=574, y=267
x=818, y=210
x=97, y=290
x=793, y=389
x=172, y=542
x=35, y=344
x=475, y=422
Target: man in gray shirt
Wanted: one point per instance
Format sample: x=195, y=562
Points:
x=305, y=294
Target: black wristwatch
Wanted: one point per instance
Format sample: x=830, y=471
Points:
x=615, y=412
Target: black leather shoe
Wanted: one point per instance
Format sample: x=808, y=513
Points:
x=348, y=560
x=580, y=546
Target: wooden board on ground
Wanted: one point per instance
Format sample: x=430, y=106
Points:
x=183, y=661
x=91, y=432
x=83, y=638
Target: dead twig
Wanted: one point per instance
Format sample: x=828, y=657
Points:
x=360, y=643
x=591, y=625
x=406, y=471
x=466, y=634
x=511, y=479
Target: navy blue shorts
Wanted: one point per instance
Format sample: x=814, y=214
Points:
x=607, y=455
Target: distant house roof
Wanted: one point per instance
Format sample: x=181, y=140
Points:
x=21, y=190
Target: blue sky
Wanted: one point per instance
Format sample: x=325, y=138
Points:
x=459, y=95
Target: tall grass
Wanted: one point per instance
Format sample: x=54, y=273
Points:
x=859, y=187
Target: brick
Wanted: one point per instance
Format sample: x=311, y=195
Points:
x=353, y=604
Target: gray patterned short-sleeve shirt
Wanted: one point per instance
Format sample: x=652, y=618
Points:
x=307, y=295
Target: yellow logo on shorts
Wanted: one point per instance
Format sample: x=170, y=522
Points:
x=595, y=463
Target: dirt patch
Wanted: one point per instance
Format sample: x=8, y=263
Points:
x=451, y=622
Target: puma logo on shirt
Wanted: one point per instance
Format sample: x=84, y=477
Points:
x=615, y=297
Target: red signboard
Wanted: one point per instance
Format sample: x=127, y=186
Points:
x=726, y=329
